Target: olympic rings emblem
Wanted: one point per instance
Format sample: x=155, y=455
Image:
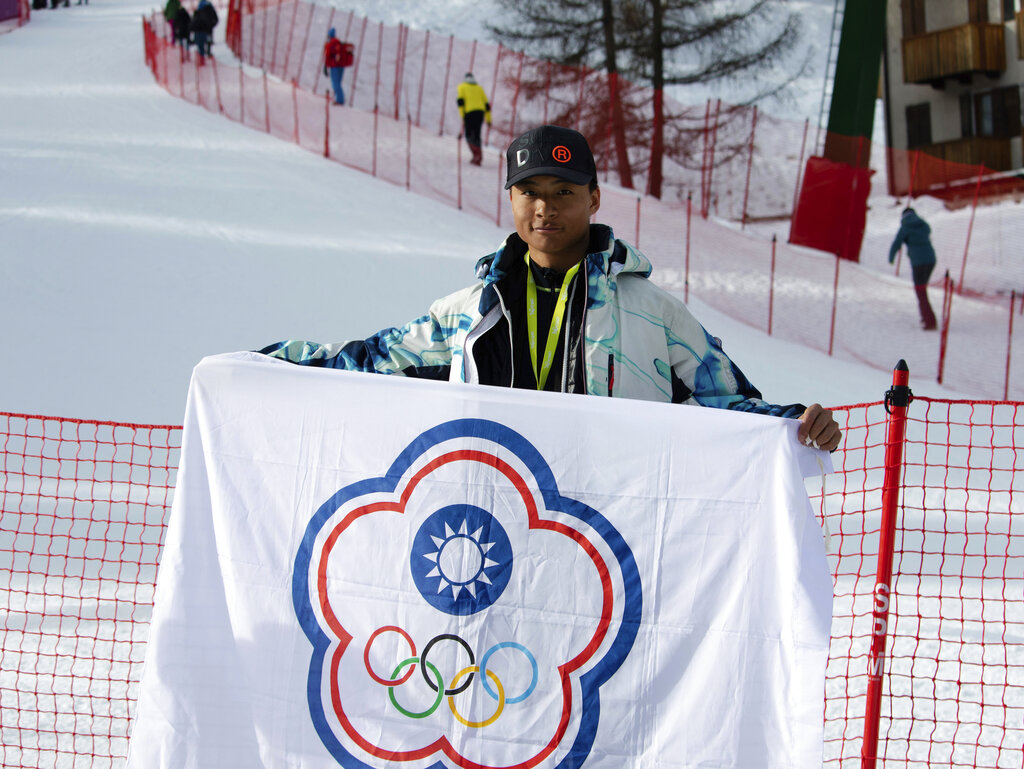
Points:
x=492, y=685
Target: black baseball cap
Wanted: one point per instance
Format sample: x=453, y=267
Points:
x=550, y=150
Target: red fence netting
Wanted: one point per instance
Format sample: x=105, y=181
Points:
x=721, y=150
x=83, y=509
x=13, y=14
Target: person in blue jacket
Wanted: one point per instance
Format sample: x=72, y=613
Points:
x=564, y=306
x=915, y=232
x=203, y=22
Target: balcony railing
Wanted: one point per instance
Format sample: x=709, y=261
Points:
x=992, y=153
x=1020, y=34
x=956, y=52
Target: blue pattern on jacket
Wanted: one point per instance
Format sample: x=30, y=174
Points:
x=671, y=357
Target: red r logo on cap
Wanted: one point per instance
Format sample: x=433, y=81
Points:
x=561, y=154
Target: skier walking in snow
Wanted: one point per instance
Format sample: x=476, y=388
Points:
x=182, y=29
x=337, y=56
x=170, y=11
x=915, y=232
x=203, y=22
x=474, y=109
x=563, y=305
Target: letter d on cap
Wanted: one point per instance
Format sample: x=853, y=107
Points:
x=522, y=157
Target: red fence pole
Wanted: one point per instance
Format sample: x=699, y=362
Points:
x=494, y=88
x=750, y=163
x=913, y=174
x=327, y=124
x=320, y=59
x=636, y=241
x=380, y=53
x=970, y=227
x=195, y=71
x=408, y=151
x=1009, y=342
x=423, y=75
x=252, y=37
x=376, y=120
x=711, y=155
x=515, y=97
x=295, y=111
x=706, y=136
x=403, y=34
x=359, y=58
x=277, y=35
x=609, y=135
x=771, y=289
x=266, y=101
x=263, y=46
x=241, y=94
x=447, y=74
x=800, y=165
x=547, y=88
x=835, y=301
x=501, y=192
x=947, y=307
x=897, y=399
x=458, y=167
x=579, y=98
x=686, y=269
x=305, y=42
x=291, y=34
x=216, y=85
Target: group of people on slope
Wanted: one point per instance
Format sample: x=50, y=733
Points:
x=196, y=27
x=474, y=108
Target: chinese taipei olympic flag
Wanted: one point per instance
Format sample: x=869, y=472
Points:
x=368, y=571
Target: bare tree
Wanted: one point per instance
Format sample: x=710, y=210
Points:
x=686, y=42
x=578, y=33
x=661, y=43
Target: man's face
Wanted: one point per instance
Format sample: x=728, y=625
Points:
x=552, y=217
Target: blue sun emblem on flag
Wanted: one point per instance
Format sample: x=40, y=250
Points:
x=461, y=559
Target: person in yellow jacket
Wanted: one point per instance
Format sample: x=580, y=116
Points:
x=474, y=110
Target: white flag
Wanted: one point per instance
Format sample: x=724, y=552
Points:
x=369, y=571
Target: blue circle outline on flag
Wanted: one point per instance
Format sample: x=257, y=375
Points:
x=533, y=664
x=590, y=681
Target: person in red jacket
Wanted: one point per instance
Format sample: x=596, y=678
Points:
x=337, y=56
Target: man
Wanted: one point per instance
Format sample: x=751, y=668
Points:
x=170, y=12
x=563, y=305
x=182, y=29
x=915, y=232
x=474, y=110
x=337, y=56
x=203, y=21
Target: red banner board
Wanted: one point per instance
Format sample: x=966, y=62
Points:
x=832, y=210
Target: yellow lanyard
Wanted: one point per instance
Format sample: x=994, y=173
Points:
x=556, y=321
